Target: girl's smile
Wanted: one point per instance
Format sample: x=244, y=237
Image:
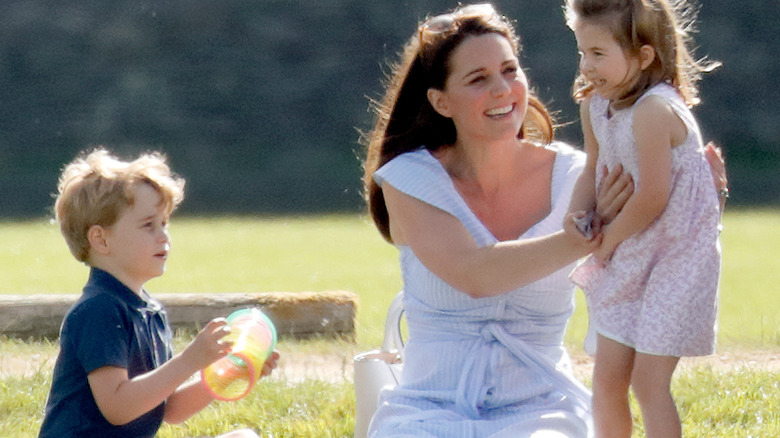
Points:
x=603, y=61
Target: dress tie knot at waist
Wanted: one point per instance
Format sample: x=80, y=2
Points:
x=487, y=333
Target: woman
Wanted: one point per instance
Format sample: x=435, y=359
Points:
x=463, y=177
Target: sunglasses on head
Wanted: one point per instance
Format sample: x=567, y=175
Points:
x=449, y=22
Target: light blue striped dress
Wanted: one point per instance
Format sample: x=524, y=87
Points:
x=489, y=367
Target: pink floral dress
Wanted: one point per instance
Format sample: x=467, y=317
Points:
x=658, y=293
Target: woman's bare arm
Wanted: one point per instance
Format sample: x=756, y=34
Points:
x=445, y=247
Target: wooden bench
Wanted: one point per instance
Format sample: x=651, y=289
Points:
x=299, y=315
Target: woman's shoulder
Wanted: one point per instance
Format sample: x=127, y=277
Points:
x=563, y=148
x=420, y=175
x=419, y=163
x=568, y=163
x=567, y=155
x=420, y=155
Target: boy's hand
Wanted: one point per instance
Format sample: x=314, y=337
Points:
x=208, y=346
x=270, y=363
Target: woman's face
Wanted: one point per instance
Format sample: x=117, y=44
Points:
x=486, y=93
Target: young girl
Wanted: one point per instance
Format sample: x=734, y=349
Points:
x=652, y=284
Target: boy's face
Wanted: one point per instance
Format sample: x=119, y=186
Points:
x=139, y=241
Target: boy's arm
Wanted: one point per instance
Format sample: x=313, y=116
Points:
x=189, y=399
x=122, y=400
x=654, y=124
x=192, y=397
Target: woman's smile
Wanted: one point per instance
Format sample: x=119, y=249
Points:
x=500, y=112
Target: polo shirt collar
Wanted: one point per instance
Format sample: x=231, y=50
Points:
x=101, y=281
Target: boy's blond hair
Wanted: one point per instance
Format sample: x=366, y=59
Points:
x=95, y=188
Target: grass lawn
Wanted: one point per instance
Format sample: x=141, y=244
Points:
x=248, y=254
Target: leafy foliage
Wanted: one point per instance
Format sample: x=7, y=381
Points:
x=259, y=103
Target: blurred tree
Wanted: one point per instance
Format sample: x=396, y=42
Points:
x=258, y=103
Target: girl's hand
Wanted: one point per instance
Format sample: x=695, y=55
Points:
x=612, y=194
x=604, y=252
x=208, y=346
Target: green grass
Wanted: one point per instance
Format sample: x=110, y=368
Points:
x=236, y=254
x=735, y=403
x=749, y=305
x=247, y=254
x=740, y=403
x=309, y=409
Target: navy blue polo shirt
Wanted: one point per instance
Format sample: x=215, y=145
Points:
x=109, y=325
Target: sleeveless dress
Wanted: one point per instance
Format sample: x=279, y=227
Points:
x=658, y=293
x=488, y=367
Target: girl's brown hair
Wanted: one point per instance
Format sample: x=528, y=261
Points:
x=665, y=25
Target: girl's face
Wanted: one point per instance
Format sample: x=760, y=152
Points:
x=486, y=92
x=603, y=61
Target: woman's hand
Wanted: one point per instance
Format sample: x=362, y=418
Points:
x=718, y=167
x=613, y=192
x=617, y=186
x=575, y=228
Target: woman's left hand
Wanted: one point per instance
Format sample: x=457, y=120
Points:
x=714, y=156
x=580, y=235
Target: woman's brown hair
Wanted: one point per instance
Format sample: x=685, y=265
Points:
x=405, y=119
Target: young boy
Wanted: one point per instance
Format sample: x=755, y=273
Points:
x=116, y=374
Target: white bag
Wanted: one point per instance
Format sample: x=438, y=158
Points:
x=378, y=369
